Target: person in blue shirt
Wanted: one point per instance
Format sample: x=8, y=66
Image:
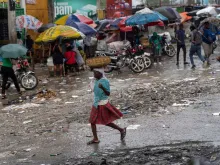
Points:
x=102, y=111
x=208, y=39
x=180, y=36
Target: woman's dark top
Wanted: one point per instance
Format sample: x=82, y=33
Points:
x=57, y=56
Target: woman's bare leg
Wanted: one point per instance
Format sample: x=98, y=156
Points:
x=61, y=70
x=114, y=126
x=55, y=70
x=94, y=131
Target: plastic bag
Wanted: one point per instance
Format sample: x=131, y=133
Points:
x=79, y=58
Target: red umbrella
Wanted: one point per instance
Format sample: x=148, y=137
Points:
x=158, y=23
x=123, y=26
x=85, y=20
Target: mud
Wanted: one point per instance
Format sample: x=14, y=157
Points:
x=188, y=153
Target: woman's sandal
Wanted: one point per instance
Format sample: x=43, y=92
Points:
x=93, y=142
x=123, y=134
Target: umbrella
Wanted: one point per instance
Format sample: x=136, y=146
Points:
x=145, y=11
x=142, y=19
x=84, y=28
x=208, y=10
x=67, y=19
x=102, y=25
x=185, y=17
x=212, y=20
x=12, y=51
x=169, y=13
x=192, y=13
x=45, y=27
x=27, y=22
x=66, y=32
x=157, y=23
x=162, y=18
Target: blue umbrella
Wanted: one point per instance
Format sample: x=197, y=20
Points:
x=12, y=51
x=162, y=18
x=142, y=19
x=116, y=22
x=82, y=27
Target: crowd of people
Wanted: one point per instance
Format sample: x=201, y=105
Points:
x=199, y=38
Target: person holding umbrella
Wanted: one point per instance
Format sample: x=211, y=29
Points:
x=8, y=72
x=9, y=52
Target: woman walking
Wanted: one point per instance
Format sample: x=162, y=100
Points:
x=102, y=111
x=57, y=58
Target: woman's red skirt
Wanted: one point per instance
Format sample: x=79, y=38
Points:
x=104, y=114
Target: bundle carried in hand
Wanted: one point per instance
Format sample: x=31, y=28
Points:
x=98, y=62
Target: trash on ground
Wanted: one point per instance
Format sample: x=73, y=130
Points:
x=133, y=126
x=74, y=96
x=28, y=121
x=57, y=100
x=216, y=114
x=190, y=79
x=23, y=106
x=62, y=92
x=47, y=94
x=69, y=102
x=93, y=154
x=55, y=154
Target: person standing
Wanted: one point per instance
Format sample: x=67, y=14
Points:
x=70, y=62
x=180, y=36
x=8, y=72
x=29, y=45
x=57, y=58
x=208, y=40
x=102, y=111
x=155, y=41
x=87, y=44
x=196, y=42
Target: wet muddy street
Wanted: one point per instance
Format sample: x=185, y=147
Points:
x=171, y=114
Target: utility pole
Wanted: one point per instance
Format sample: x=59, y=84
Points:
x=12, y=22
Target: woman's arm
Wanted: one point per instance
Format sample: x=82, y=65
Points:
x=107, y=93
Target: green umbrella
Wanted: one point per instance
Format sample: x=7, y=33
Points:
x=12, y=51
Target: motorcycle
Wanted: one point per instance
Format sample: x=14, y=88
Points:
x=25, y=77
x=127, y=57
x=167, y=47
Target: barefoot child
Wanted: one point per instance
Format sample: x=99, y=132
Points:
x=102, y=111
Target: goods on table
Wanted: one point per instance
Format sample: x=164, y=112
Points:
x=98, y=62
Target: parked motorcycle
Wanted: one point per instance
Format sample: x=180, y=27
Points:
x=127, y=57
x=167, y=47
x=26, y=78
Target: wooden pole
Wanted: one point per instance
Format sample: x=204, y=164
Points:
x=12, y=22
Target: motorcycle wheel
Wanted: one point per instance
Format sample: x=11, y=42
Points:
x=29, y=81
x=170, y=50
x=147, y=62
x=108, y=69
x=137, y=65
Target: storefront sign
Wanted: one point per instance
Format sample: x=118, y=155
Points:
x=118, y=8
x=14, y=4
x=64, y=7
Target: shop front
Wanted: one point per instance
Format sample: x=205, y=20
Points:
x=4, y=36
